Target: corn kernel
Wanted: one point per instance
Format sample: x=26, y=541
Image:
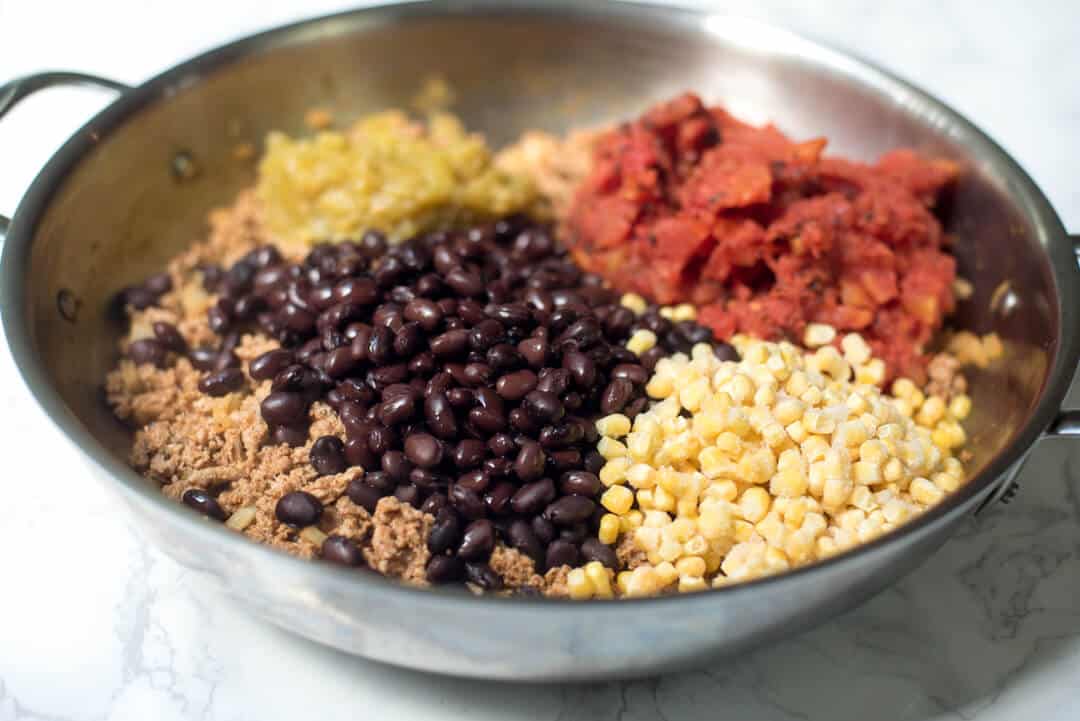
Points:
x=614, y=471
x=692, y=584
x=866, y=473
x=788, y=483
x=932, y=411
x=683, y=311
x=610, y=448
x=609, y=529
x=754, y=504
x=903, y=388
x=856, y=351
x=617, y=499
x=634, y=302
x=578, y=585
x=615, y=425
x=642, y=340
x=662, y=500
x=923, y=491
x=818, y=334
x=597, y=575
x=960, y=407
x=836, y=492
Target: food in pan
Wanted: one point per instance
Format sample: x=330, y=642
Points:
x=665, y=357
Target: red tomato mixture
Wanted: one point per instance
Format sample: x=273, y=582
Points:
x=765, y=235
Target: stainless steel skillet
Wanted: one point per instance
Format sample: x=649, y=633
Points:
x=132, y=187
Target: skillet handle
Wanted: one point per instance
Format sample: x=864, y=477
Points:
x=1065, y=425
x=13, y=92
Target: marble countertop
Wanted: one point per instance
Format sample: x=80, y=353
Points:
x=94, y=624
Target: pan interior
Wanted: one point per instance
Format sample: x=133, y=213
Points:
x=123, y=210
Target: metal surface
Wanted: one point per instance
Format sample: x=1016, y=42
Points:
x=106, y=211
x=14, y=91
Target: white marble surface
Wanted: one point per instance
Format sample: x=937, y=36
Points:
x=96, y=625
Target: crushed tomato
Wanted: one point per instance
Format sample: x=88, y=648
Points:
x=765, y=235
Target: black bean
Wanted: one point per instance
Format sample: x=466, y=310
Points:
x=340, y=362
x=463, y=282
x=498, y=467
x=569, y=510
x=357, y=452
x=478, y=540
x=461, y=397
x=580, y=483
x=521, y=537
x=269, y=364
x=294, y=436
x=445, y=531
x=535, y=351
x=468, y=503
x=501, y=444
x=451, y=343
x=372, y=244
x=327, y=455
x=515, y=386
x=498, y=498
x=561, y=552
x=544, y=529
x=581, y=367
x=204, y=503
x=553, y=380
x=725, y=352
x=650, y=357
x=529, y=463
x=222, y=382
x=593, y=550
x=487, y=420
x=397, y=410
x=634, y=373
x=298, y=508
x=147, y=350
x=396, y=466
x=296, y=318
x=435, y=503
x=533, y=497
x=424, y=312
x=423, y=449
x=380, y=347
x=468, y=454
x=523, y=422
x=408, y=494
x=283, y=408
x=380, y=439
x=564, y=460
x=477, y=374
x=363, y=494
x=485, y=334
x=575, y=533
x=380, y=481
x=481, y=575
x=560, y=436
x=543, y=406
x=339, y=549
x=159, y=284
x=617, y=394
x=383, y=376
x=168, y=335
x=203, y=358
x=477, y=480
x=440, y=416
x=409, y=340
x=445, y=569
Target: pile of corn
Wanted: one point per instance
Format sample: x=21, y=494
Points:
x=745, y=469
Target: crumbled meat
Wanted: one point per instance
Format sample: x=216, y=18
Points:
x=629, y=555
x=399, y=541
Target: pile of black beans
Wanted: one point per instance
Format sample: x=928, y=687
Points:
x=468, y=369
